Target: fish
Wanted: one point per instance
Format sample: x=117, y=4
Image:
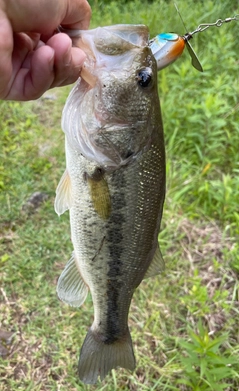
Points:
x=113, y=187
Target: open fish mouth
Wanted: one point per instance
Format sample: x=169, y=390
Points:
x=109, y=40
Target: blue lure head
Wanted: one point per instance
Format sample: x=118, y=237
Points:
x=167, y=48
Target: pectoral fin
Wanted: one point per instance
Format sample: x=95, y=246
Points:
x=70, y=287
x=63, y=199
x=157, y=265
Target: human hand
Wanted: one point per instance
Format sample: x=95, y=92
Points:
x=33, y=57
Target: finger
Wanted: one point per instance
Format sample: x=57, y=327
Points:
x=41, y=75
x=73, y=69
x=68, y=60
x=36, y=77
x=45, y=15
x=6, y=47
x=77, y=16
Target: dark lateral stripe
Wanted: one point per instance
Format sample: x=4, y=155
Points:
x=114, y=238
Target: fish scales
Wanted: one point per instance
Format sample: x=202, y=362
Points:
x=114, y=188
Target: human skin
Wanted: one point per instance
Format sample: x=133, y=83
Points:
x=33, y=57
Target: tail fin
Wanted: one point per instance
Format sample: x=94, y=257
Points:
x=98, y=358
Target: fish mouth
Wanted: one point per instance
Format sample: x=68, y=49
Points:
x=108, y=41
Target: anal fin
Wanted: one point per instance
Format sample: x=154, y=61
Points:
x=157, y=265
x=70, y=287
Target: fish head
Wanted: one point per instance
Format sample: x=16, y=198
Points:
x=114, y=111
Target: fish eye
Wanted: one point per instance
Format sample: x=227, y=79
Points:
x=144, y=77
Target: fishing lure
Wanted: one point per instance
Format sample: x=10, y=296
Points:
x=168, y=47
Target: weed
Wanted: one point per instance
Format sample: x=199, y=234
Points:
x=204, y=368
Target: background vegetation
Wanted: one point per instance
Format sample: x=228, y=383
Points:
x=184, y=324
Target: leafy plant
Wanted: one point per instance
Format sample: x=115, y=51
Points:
x=205, y=368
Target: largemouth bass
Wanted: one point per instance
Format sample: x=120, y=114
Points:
x=114, y=187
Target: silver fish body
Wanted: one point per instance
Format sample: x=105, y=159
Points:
x=114, y=187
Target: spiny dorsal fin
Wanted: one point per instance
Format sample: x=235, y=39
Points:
x=157, y=265
x=70, y=287
x=63, y=199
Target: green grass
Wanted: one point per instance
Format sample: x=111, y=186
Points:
x=184, y=324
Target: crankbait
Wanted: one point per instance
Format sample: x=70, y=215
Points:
x=168, y=47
